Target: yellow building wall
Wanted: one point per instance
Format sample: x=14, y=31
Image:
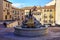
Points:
x=48, y=14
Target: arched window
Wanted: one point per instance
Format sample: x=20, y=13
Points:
x=5, y=16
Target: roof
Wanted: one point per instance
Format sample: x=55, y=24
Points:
x=8, y=1
x=49, y=7
x=32, y=7
x=26, y=8
x=15, y=8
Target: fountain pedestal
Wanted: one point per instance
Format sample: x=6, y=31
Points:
x=30, y=31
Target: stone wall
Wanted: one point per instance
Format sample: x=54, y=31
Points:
x=13, y=24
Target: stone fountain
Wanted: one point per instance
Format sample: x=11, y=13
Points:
x=31, y=27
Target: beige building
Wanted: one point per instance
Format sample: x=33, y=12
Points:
x=58, y=12
x=18, y=14
x=36, y=11
x=5, y=10
x=26, y=10
x=48, y=15
x=45, y=15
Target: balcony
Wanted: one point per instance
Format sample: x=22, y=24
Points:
x=45, y=16
x=50, y=16
x=50, y=21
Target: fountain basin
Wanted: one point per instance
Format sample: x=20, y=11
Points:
x=30, y=31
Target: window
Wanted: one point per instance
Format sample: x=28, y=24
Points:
x=40, y=19
x=18, y=18
x=51, y=16
x=34, y=13
x=38, y=13
x=10, y=16
x=45, y=10
x=45, y=16
x=50, y=10
x=17, y=12
x=4, y=10
x=8, y=5
x=13, y=11
x=8, y=13
x=27, y=13
x=22, y=17
x=15, y=18
x=45, y=21
x=50, y=21
x=6, y=17
x=18, y=23
x=22, y=13
x=4, y=0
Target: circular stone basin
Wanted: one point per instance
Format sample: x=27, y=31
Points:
x=30, y=31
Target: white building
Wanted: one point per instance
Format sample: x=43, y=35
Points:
x=58, y=12
x=51, y=3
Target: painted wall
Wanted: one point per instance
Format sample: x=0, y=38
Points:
x=58, y=12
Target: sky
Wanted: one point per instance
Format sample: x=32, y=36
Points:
x=24, y=3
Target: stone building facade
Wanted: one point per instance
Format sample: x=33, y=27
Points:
x=5, y=10
x=18, y=14
x=48, y=15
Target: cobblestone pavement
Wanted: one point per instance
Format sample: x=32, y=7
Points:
x=7, y=34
